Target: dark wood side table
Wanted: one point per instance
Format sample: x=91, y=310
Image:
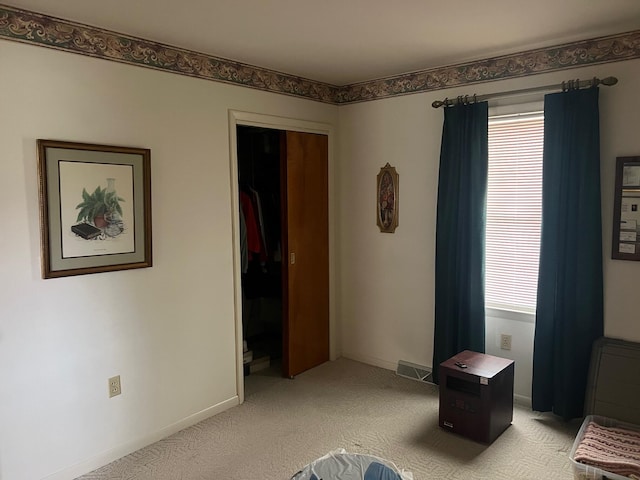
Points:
x=476, y=395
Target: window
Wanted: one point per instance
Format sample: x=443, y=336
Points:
x=514, y=211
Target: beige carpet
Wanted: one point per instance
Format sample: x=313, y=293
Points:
x=285, y=424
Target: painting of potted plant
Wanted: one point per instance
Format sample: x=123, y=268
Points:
x=85, y=225
x=102, y=209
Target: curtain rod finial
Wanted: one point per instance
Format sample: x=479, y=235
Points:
x=609, y=81
x=442, y=103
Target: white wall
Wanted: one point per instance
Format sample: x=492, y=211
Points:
x=521, y=328
x=167, y=330
x=386, y=287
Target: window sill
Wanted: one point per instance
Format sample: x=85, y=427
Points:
x=510, y=315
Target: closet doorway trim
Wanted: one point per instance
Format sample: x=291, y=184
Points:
x=250, y=119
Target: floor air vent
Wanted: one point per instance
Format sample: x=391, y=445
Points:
x=414, y=372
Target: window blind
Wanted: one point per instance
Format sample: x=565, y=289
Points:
x=514, y=211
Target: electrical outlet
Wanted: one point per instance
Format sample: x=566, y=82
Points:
x=505, y=341
x=114, y=386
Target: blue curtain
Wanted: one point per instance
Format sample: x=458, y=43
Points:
x=460, y=233
x=569, y=314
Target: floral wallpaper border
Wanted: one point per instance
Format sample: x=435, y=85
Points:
x=613, y=48
x=34, y=28
x=37, y=29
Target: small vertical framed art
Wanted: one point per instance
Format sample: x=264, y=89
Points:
x=387, y=199
x=95, y=208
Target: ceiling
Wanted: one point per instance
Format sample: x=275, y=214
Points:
x=342, y=42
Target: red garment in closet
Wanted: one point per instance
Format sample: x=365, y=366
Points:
x=254, y=245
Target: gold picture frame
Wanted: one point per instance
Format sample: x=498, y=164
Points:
x=95, y=208
x=387, y=199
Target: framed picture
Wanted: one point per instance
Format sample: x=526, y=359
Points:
x=626, y=210
x=387, y=199
x=95, y=208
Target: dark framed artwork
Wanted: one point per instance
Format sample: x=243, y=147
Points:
x=95, y=208
x=387, y=199
x=626, y=210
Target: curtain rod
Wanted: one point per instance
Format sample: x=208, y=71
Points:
x=564, y=86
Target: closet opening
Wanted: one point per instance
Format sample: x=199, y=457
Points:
x=283, y=251
x=259, y=186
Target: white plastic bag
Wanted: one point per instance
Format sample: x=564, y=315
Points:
x=340, y=465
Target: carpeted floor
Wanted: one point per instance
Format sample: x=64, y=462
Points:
x=285, y=424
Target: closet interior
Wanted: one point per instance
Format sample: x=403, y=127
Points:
x=259, y=178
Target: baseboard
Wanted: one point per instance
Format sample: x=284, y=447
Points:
x=522, y=400
x=376, y=362
x=130, y=447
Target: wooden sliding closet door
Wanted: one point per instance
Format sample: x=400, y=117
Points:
x=305, y=236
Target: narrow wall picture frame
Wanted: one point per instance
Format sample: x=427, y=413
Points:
x=387, y=199
x=95, y=208
x=626, y=210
